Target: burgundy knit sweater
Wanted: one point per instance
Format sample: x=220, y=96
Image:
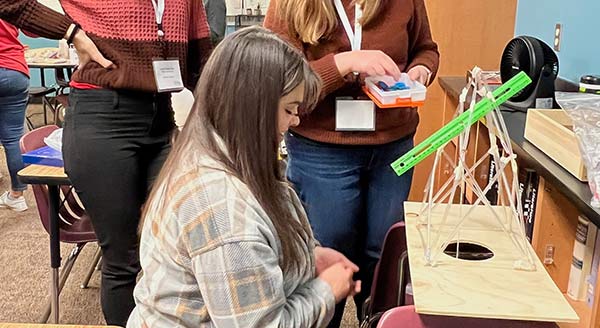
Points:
x=125, y=32
x=401, y=30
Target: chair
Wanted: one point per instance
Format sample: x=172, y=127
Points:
x=391, y=277
x=62, y=98
x=75, y=226
x=406, y=317
x=42, y=93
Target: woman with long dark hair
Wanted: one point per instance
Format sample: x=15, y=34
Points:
x=225, y=241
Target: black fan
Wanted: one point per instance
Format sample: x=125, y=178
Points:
x=540, y=63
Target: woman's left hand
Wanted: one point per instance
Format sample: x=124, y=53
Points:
x=420, y=74
x=326, y=257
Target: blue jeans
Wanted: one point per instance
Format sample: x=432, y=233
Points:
x=14, y=94
x=352, y=197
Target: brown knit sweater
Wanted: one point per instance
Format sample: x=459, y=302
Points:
x=401, y=30
x=125, y=32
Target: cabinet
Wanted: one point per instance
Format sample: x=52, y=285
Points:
x=555, y=225
x=468, y=33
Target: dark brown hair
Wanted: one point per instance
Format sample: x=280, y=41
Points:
x=234, y=120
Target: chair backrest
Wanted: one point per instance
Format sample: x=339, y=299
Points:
x=387, y=290
x=406, y=317
x=61, y=80
x=75, y=226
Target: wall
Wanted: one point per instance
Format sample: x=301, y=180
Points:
x=580, y=50
x=234, y=7
x=468, y=33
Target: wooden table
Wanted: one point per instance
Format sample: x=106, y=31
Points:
x=39, y=58
x=38, y=61
x=53, y=177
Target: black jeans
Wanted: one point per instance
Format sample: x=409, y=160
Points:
x=114, y=144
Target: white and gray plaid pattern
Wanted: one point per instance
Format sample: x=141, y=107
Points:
x=212, y=260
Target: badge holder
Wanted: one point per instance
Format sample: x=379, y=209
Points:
x=354, y=115
x=167, y=74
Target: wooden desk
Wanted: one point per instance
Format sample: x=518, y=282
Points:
x=53, y=177
x=43, y=174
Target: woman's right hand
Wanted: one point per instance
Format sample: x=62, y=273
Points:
x=369, y=62
x=339, y=278
x=87, y=51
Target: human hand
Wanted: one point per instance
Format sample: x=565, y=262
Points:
x=420, y=74
x=369, y=62
x=326, y=257
x=339, y=278
x=87, y=51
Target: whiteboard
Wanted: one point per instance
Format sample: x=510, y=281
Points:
x=54, y=4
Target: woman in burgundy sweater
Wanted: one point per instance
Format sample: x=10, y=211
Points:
x=338, y=163
x=118, y=128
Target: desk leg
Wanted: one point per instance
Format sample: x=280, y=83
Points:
x=54, y=202
x=43, y=82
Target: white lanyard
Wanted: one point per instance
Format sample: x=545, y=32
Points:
x=356, y=36
x=159, y=11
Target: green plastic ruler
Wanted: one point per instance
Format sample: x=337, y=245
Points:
x=458, y=125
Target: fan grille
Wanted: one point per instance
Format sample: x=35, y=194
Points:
x=517, y=57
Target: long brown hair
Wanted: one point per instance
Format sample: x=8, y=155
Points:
x=234, y=121
x=312, y=20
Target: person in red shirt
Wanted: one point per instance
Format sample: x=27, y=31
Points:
x=14, y=93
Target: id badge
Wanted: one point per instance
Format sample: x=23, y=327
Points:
x=354, y=115
x=167, y=75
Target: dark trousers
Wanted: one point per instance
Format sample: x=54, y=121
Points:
x=114, y=144
x=352, y=197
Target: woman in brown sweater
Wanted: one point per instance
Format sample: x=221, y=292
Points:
x=338, y=160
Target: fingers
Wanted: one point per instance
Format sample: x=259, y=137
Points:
x=390, y=66
x=88, y=51
x=83, y=60
x=414, y=75
x=382, y=64
x=418, y=74
x=380, y=69
x=350, y=265
x=98, y=58
x=376, y=69
x=356, y=288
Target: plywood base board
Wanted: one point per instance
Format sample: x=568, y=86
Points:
x=485, y=289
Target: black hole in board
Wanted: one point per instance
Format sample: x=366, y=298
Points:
x=469, y=251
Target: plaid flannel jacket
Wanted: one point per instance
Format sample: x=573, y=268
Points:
x=212, y=260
